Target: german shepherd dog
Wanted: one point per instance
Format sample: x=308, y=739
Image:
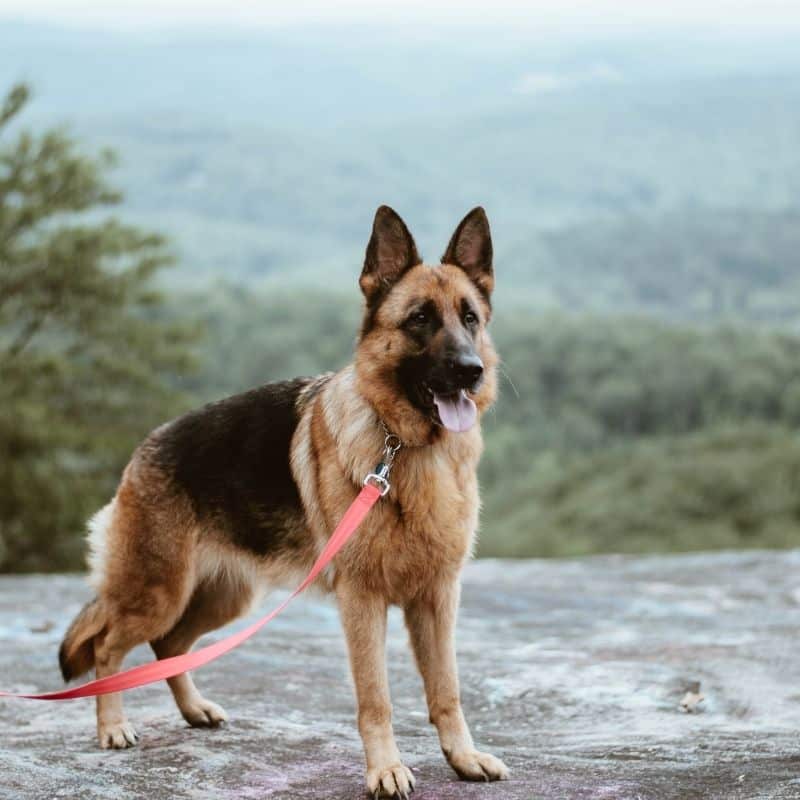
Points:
x=243, y=493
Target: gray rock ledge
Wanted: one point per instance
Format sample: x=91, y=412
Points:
x=572, y=671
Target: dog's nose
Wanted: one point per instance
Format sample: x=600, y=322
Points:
x=465, y=369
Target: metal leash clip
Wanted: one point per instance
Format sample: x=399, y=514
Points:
x=380, y=477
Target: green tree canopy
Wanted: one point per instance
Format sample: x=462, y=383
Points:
x=84, y=352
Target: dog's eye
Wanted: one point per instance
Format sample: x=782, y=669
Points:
x=470, y=318
x=419, y=318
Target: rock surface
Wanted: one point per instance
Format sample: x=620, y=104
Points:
x=572, y=671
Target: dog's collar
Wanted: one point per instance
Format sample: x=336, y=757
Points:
x=393, y=440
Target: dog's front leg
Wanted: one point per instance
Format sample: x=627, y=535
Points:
x=431, y=624
x=364, y=620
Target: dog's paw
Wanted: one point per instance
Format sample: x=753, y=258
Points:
x=474, y=766
x=394, y=781
x=204, y=714
x=116, y=735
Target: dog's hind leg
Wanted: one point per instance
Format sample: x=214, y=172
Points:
x=113, y=729
x=144, y=577
x=129, y=624
x=215, y=602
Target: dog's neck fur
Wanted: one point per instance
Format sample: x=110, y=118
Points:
x=359, y=434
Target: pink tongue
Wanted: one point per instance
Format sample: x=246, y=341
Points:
x=456, y=411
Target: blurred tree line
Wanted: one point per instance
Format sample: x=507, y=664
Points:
x=617, y=434
x=693, y=265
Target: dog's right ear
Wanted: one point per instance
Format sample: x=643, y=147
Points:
x=391, y=252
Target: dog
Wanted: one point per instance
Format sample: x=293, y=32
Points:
x=243, y=493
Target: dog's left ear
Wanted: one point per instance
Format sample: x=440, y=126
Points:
x=471, y=249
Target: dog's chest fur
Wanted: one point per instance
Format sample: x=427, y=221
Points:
x=424, y=526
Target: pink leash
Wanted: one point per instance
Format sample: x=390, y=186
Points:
x=177, y=665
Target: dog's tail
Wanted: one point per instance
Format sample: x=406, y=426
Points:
x=76, y=654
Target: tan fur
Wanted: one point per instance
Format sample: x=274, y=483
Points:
x=164, y=577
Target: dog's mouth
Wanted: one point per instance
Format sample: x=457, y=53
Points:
x=454, y=410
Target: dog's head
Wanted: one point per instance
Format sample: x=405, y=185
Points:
x=425, y=360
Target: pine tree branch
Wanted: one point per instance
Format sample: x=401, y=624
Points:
x=14, y=102
x=25, y=336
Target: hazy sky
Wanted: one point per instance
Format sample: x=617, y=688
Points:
x=544, y=14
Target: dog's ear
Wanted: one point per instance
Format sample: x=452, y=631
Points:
x=390, y=253
x=471, y=249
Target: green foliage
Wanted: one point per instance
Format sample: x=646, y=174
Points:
x=726, y=488
x=83, y=357
x=253, y=337
x=630, y=435
x=584, y=382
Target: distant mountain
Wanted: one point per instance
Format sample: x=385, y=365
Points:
x=654, y=174
x=688, y=266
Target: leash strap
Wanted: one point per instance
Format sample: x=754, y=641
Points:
x=177, y=665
